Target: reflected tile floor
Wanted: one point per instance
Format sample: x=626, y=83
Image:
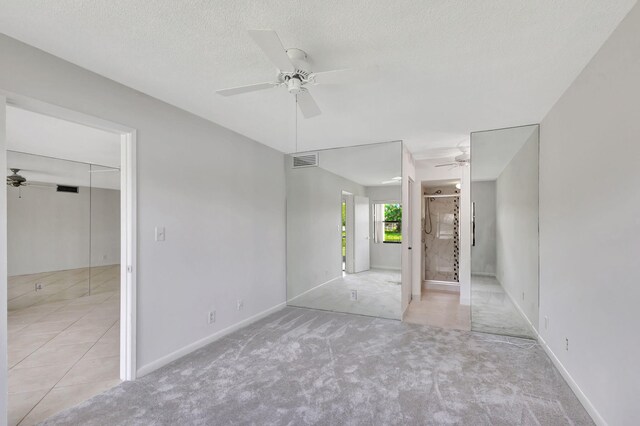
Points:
x=439, y=309
x=63, y=343
x=492, y=311
x=378, y=294
x=303, y=366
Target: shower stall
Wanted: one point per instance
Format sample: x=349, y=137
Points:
x=440, y=234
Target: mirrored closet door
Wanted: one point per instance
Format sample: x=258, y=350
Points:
x=344, y=229
x=63, y=229
x=504, y=252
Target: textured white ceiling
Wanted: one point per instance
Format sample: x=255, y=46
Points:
x=492, y=151
x=446, y=68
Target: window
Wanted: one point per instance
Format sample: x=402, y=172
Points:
x=387, y=223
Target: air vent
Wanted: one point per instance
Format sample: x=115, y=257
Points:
x=64, y=188
x=305, y=160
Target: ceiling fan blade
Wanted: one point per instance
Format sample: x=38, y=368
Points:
x=271, y=45
x=245, y=89
x=447, y=164
x=345, y=76
x=307, y=104
x=41, y=184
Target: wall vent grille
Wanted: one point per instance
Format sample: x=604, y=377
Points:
x=305, y=160
x=65, y=188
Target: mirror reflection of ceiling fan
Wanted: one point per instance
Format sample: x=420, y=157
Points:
x=16, y=180
x=294, y=72
x=461, y=160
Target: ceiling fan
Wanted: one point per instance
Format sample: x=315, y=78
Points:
x=461, y=160
x=15, y=179
x=293, y=72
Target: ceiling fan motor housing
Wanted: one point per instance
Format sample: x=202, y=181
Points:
x=15, y=179
x=295, y=80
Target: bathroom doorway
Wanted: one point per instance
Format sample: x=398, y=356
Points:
x=441, y=237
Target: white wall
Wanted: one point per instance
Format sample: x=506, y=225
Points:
x=590, y=228
x=384, y=256
x=425, y=171
x=314, y=224
x=49, y=230
x=105, y=227
x=3, y=270
x=465, y=236
x=483, y=254
x=517, y=229
x=224, y=217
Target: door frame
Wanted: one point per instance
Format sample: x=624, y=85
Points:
x=349, y=253
x=128, y=216
x=409, y=225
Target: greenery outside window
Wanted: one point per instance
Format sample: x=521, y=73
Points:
x=387, y=223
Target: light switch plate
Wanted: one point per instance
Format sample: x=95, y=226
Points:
x=159, y=233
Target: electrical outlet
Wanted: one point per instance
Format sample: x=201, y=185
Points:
x=566, y=344
x=212, y=317
x=546, y=323
x=354, y=295
x=239, y=304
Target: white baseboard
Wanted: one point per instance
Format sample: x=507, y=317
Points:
x=442, y=286
x=483, y=274
x=595, y=415
x=161, y=362
x=597, y=418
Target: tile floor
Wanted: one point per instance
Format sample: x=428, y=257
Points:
x=439, y=309
x=378, y=294
x=63, y=340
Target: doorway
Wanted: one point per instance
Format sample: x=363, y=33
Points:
x=440, y=300
x=70, y=310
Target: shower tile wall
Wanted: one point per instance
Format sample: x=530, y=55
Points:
x=441, y=245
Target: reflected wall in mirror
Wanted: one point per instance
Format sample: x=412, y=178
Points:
x=344, y=223
x=504, y=252
x=63, y=230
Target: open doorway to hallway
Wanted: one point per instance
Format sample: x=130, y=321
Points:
x=439, y=302
x=63, y=261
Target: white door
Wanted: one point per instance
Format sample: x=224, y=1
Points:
x=361, y=233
